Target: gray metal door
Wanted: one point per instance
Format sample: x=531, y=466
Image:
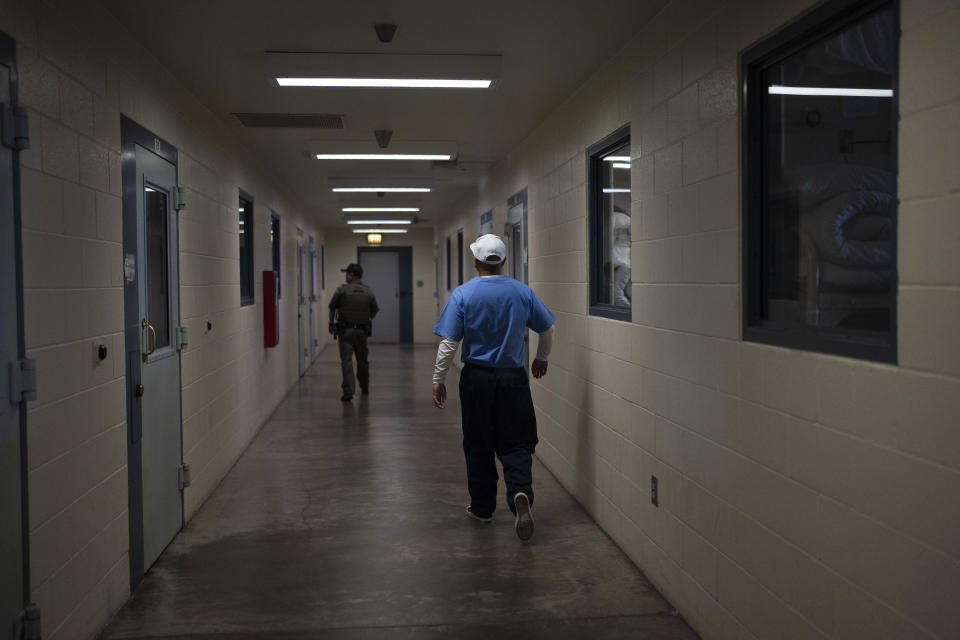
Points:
x=158, y=294
x=303, y=309
x=12, y=445
x=516, y=233
x=516, y=253
x=313, y=299
x=381, y=272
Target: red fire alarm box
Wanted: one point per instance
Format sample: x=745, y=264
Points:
x=271, y=310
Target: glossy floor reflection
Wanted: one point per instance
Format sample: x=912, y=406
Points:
x=345, y=520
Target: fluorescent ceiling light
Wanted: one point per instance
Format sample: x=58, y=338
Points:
x=617, y=159
x=409, y=83
x=383, y=156
x=378, y=221
x=829, y=91
x=616, y=190
x=379, y=230
x=381, y=189
x=375, y=209
x=621, y=165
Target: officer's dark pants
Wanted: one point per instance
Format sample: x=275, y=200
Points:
x=354, y=341
x=498, y=419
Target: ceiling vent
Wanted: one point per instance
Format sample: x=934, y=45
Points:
x=291, y=120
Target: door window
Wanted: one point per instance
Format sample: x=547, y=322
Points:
x=158, y=286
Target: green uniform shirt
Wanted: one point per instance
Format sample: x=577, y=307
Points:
x=356, y=303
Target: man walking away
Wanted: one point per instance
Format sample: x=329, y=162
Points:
x=491, y=314
x=352, y=309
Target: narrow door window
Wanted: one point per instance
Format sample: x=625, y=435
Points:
x=158, y=285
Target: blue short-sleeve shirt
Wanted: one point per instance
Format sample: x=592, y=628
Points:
x=491, y=315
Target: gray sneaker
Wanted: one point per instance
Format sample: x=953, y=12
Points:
x=524, y=523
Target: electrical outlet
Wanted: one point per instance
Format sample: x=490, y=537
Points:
x=654, y=493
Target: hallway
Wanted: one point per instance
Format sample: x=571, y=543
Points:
x=346, y=520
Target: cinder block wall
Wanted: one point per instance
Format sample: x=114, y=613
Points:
x=802, y=495
x=78, y=72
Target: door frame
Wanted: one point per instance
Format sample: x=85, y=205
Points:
x=405, y=283
x=21, y=512
x=132, y=134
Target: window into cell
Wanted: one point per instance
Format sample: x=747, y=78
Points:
x=245, y=211
x=157, y=227
x=611, y=283
x=820, y=178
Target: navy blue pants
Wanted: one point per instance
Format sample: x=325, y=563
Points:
x=498, y=420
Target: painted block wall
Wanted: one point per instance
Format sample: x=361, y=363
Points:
x=78, y=72
x=342, y=250
x=801, y=495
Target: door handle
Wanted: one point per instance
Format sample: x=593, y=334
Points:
x=152, y=342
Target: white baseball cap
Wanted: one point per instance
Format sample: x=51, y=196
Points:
x=489, y=249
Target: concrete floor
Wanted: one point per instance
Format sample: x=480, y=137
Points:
x=346, y=520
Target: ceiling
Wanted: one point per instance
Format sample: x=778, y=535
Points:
x=548, y=48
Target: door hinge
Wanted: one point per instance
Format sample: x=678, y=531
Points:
x=15, y=124
x=184, y=476
x=179, y=198
x=26, y=626
x=23, y=381
x=182, y=340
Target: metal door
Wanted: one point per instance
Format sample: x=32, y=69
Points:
x=158, y=298
x=381, y=272
x=516, y=253
x=14, y=576
x=151, y=296
x=302, y=308
x=313, y=299
x=516, y=232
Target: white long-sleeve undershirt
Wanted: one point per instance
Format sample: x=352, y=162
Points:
x=448, y=349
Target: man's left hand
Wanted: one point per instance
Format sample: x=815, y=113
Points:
x=439, y=395
x=332, y=327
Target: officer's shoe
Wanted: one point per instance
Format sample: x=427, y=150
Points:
x=365, y=391
x=477, y=516
x=346, y=398
x=524, y=522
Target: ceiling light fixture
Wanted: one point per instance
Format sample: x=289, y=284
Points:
x=828, y=91
x=406, y=83
x=379, y=230
x=621, y=165
x=381, y=190
x=617, y=159
x=616, y=190
x=379, y=209
x=383, y=156
x=379, y=221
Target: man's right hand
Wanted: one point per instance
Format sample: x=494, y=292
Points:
x=332, y=327
x=439, y=395
x=538, y=368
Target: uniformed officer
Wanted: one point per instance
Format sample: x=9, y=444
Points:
x=491, y=315
x=352, y=309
